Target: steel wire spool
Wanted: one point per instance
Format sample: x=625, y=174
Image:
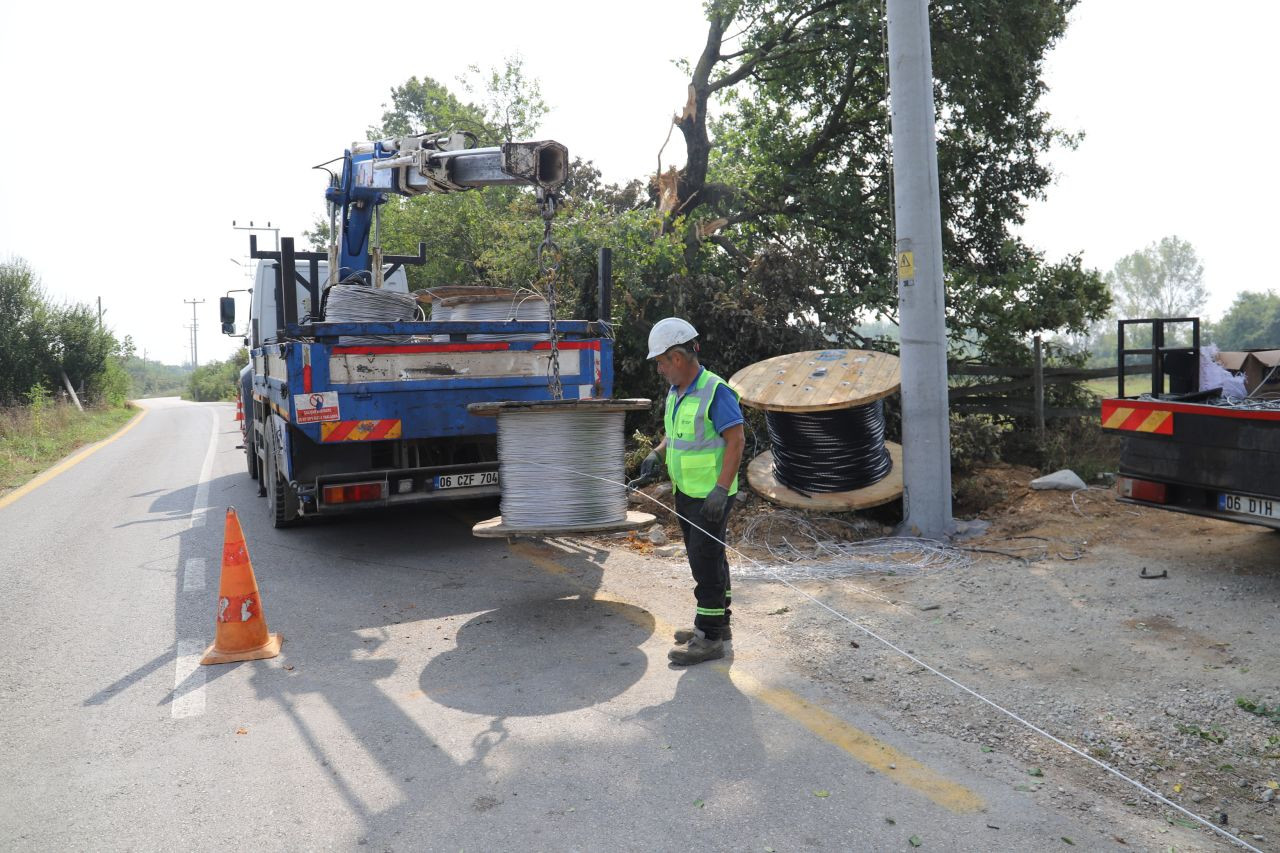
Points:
x=526, y=306
x=356, y=303
x=829, y=451
x=561, y=469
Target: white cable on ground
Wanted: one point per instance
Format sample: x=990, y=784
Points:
x=356, y=303
x=914, y=659
x=809, y=553
x=595, y=442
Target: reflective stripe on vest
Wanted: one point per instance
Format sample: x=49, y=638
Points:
x=695, y=451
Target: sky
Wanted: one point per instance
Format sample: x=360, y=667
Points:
x=135, y=133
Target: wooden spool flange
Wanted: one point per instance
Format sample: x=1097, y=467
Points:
x=494, y=528
x=452, y=291
x=820, y=381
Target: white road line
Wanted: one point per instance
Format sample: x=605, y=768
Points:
x=193, y=573
x=200, y=507
x=188, y=680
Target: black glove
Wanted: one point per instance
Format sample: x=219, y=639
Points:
x=649, y=467
x=713, y=506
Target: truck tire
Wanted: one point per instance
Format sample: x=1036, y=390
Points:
x=250, y=452
x=282, y=501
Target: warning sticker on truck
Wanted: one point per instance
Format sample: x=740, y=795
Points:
x=317, y=407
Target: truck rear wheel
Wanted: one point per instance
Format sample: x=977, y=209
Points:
x=250, y=453
x=282, y=501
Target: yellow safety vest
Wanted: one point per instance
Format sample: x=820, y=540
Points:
x=695, y=451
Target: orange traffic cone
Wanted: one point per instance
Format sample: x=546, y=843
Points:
x=241, y=629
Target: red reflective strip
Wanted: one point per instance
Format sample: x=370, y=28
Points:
x=1193, y=409
x=342, y=430
x=569, y=345
x=306, y=379
x=1166, y=426
x=383, y=427
x=391, y=348
x=1135, y=420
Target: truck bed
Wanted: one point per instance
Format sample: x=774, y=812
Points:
x=1217, y=460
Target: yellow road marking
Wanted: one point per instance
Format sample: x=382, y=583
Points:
x=80, y=456
x=874, y=753
x=860, y=745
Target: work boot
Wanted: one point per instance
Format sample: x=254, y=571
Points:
x=684, y=635
x=699, y=649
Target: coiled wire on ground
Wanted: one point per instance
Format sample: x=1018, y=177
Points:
x=832, y=451
x=561, y=469
x=798, y=548
x=355, y=303
x=521, y=305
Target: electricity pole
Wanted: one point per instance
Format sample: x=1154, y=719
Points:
x=194, y=326
x=252, y=227
x=926, y=439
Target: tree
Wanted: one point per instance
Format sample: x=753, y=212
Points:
x=1252, y=322
x=799, y=163
x=218, y=380
x=25, y=359
x=1166, y=279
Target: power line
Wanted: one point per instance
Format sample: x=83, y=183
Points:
x=195, y=325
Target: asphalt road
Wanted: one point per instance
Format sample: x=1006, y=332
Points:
x=435, y=691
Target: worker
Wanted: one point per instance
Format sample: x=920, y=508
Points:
x=702, y=445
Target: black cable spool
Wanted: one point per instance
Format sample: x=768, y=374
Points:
x=838, y=450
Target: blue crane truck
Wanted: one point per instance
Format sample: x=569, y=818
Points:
x=340, y=416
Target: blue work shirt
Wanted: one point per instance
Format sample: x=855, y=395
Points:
x=725, y=411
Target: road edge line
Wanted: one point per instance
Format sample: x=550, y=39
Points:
x=76, y=458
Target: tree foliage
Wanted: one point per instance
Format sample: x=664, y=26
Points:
x=1166, y=279
x=218, y=380
x=798, y=162
x=40, y=341
x=1252, y=322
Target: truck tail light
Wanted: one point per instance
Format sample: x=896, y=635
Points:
x=349, y=493
x=1142, y=490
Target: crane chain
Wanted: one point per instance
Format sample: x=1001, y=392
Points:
x=549, y=258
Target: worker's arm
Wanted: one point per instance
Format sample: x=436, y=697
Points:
x=734, y=442
x=661, y=448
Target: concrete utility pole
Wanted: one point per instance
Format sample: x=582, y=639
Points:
x=194, y=327
x=926, y=439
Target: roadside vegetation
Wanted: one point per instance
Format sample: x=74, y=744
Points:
x=217, y=380
x=44, y=347
x=35, y=436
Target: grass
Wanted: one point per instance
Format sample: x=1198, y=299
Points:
x=32, y=438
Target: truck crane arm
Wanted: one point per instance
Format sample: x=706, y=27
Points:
x=428, y=163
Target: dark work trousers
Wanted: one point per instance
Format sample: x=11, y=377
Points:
x=709, y=564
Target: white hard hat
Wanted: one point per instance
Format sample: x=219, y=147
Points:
x=669, y=332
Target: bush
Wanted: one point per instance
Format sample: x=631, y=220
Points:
x=218, y=380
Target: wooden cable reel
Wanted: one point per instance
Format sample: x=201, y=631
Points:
x=829, y=382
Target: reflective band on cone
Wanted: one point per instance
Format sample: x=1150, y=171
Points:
x=240, y=626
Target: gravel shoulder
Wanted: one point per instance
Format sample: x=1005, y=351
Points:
x=1170, y=681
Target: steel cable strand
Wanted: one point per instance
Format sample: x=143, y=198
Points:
x=1155, y=795
x=354, y=303
x=526, y=307
x=832, y=451
x=592, y=444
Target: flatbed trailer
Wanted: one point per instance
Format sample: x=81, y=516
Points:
x=1192, y=450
